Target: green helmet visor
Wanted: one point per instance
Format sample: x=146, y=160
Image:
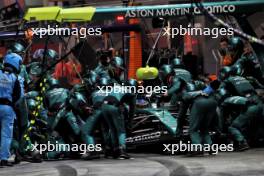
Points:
x=17, y=48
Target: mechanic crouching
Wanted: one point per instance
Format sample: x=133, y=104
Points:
x=109, y=108
x=236, y=92
x=10, y=91
x=202, y=114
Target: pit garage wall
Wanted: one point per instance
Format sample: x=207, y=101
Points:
x=257, y=23
x=207, y=44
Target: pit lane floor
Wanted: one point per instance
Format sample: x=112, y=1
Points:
x=248, y=163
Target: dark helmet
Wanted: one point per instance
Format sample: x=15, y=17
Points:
x=77, y=100
x=17, y=48
x=32, y=94
x=165, y=71
x=51, y=54
x=32, y=104
x=236, y=43
x=35, y=69
x=13, y=61
x=237, y=69
x=104, y=60
x=77, y=88
x=104, y=81
x=176, y=63
x=117, y=62
x=92, y=78
x=215, y=84
x=53, y=83
x=132, y=82
x=38, y=54
x=226, y=72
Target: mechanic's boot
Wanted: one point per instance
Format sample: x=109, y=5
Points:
x=5, y=163
x=90, y=156
x=179, y=133
x=54, y=156
x=123, y=154
x=36, y=157
x=32, y=157
x=18, y=158
x=242, y=146
x=109, y=153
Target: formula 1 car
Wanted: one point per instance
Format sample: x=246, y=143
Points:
x=152, y=125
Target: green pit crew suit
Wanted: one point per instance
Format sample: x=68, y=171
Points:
x=183, y=90
x=249, y=66
x=38, y=120
x=181, y=84
x=21, y=105
x=108, y=71
x=39, y=129
x=21, y=110
x=112, y=70
x=202, y=113
x=109, y=107
x=50, y=57
x=234, y=49
x=61, y=118
x=182, y=79
x=56, y=101
x=102, y=70
x=52, y=102
x=35, y=127
x=237, y=91
x=27, y=125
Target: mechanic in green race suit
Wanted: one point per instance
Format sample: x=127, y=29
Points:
x=202, y=114
x=109, y=106
x=20, y=50
x=189, y=94
x=56, y=102
x=66, y=117
x=181, y=82
x=236, y=91
x=249, y=66
x=102, y=70
x=35, y=129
